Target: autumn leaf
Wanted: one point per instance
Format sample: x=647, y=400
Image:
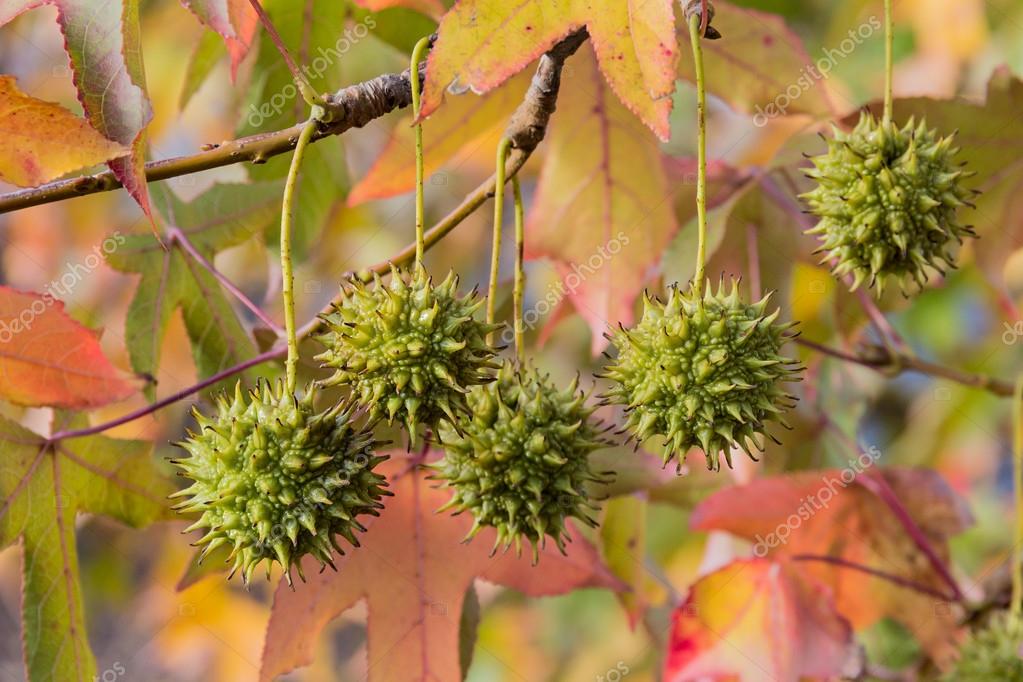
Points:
x=43, y=487
x=102, y=41
x=40, y=141
x=831, y=514
x=603, y=209
x=413, y=571
x=757, y=621
x=481, y=44
x=431, y=7
x=311, y=29
x=223, y=216
x=761, y=66
x=463, y=123
x=234, y=20
x=623, y=533
x=49, y=359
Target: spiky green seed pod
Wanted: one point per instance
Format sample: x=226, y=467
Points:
x=275, y=480
x=408, y=350
x=520, y=465
x=993, y=654
x=887, y=200
x=704, y=373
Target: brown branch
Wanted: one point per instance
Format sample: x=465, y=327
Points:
x=882, y=360
x=351, y=107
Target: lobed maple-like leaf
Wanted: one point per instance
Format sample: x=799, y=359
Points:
x=49, y=359
x=43, y=487
x=457, y=129
x=40, y=141
x=603, y=211
x=234, y=20
x=222, y=217
x=413, y=570
x=757, y=621
x=480, y=44
x=823, y=514
x=103, y=43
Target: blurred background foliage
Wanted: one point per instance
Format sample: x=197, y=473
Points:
x=213, y=630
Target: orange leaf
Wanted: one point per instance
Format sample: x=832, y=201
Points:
x=463, y=123
x=40, y=141
x=48, y=359
x=757, y=621
x=603, y=210
x=413, y=571
x=234, y=20
x=828, y=513
x=480, y=44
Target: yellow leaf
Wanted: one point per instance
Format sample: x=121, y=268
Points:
x=40, y=141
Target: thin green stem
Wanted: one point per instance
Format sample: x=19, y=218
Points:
x=1017, y=485
x=701, y=180
x=500, y=179
x=287, y=272
x=307, y=91
x=889, y=49
x=519, y=291
x=413, y=75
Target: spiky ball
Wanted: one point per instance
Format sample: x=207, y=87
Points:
x=887, y=199
x=408, y=350
x=274, y=480
x=993, y=654
x=521, y=464
x=702, y=372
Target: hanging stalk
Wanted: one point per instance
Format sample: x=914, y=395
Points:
x=889, y=41
x=1016, y=607
x=695, y=22
x=417, y=56
x=518, y=294
x=287, y=273
x=495, y=250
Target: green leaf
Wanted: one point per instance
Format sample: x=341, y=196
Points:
x=207, y=54
x=224, y=216
x=314, y=34
x=43, y=487
x=623, y=546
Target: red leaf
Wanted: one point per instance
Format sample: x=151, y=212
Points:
x=48, y=359
x=828, y=513
x=413, y=571
x=757, y=621
x=432, y=8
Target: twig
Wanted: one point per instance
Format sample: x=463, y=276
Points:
x=890, y=577
x=351, y=107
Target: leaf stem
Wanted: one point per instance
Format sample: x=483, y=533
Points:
x=417, y=56
x=1016, y=607
x=287, y=272
x=894, y=579
x=519, y=291
x=701, y=128
x=889, y=49
x=311, y=97
x=500, y=180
